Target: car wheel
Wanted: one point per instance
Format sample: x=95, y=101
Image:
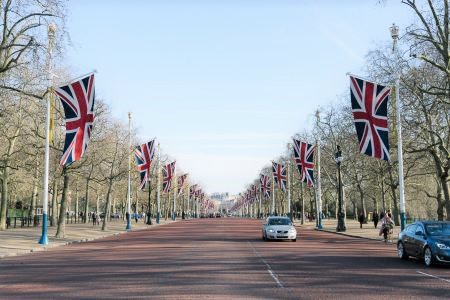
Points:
x=263, y=237
x=401, y=251
x=294, y=240
x=428, y=257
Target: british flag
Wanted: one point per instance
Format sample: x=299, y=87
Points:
x=77, y=99
x=279, y=175
x=369, y=108
x=254, y=191
x=304, y=159
x=168, y=174
x=265, y=185
x=181, y=181
x=192, y=190
x=143, y=157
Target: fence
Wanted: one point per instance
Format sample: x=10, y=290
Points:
x=28, y=221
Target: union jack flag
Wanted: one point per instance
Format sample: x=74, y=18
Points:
x=168, y=174
x=192, y=190
x=143, y=157
x=78, y=99
x=254, y=190
x=265, y=185
x=181, y=181
x=369, y=108
x=304, y=159
x=279, y=175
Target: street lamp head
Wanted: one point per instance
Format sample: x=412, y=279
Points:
x=394, y=31
x=129, y=115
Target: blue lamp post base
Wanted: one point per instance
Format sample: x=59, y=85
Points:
x=158, y=215
x=44, y=238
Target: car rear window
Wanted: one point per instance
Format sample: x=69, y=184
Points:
x=279, y=222
x=438, y=229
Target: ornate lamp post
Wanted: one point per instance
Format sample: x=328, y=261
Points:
x=394, y=34
x=338, y=158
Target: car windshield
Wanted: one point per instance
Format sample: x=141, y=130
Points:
x=279, y=222
x=438, y=229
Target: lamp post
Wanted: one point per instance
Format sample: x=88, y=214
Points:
x=394, y=34
x=319, y=184
x=129, y=175
x=51, y=37
x=338, y=158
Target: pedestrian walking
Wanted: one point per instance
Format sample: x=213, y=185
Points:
x=361, y=219
x=375, y=218
x=94, y=219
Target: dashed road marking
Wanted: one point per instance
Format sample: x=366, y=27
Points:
x=269, y=268
x=433, y=276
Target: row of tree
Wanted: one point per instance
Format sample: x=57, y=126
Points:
x=369, y=184
x=97, y=182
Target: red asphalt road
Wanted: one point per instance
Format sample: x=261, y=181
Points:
x=218, y=259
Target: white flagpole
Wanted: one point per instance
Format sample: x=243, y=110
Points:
x=44, y=238
x=129, y=175
x=158, y=187
x=319, y=189
x=188, y=211
x=260, y=196
x=273, y=194
x=289, y=182
x=175, y=191
x=401, y=184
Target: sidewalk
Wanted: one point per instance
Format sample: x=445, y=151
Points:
x=352, y=229
x=20, y=241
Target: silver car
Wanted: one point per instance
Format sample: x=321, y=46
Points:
x=279, y=228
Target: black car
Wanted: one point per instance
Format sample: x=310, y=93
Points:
x=429, y=240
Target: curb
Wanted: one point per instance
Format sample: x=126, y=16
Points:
x=83, y=240
x=354, y=236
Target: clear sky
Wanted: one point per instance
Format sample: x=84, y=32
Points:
x=223, y=85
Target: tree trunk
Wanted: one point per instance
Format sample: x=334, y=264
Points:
x=149, y=212
x=108, y=205
x=53, y=218
x=396, y=213
x=4, y=205
x=363, y=201
x=76, y=203
x=86, y=204
x=60, y=231
x=35, y=192
x=445, y=190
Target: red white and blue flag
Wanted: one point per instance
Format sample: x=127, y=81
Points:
x=77, y=99
x=181, y=181
x=279, y=175
x=192, y=190
x=168, y=174
x=143, y=157
x=265, y=185
x=369, y=108
x=304, y=159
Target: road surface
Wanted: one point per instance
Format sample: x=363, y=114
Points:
x=218, y=259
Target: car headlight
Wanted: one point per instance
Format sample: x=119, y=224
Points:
x=271, y=230
x=292, y=230
x=442, y=246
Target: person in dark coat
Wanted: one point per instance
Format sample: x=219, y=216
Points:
x=375, y=218
x=361, y=219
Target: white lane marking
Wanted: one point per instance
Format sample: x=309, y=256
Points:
x=269, y=269
x=433, y=276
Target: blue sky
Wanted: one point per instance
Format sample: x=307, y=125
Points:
x=223, y=85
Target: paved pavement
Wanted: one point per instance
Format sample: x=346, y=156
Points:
x=353, y=229
x=221, y=259
x=19, y=241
